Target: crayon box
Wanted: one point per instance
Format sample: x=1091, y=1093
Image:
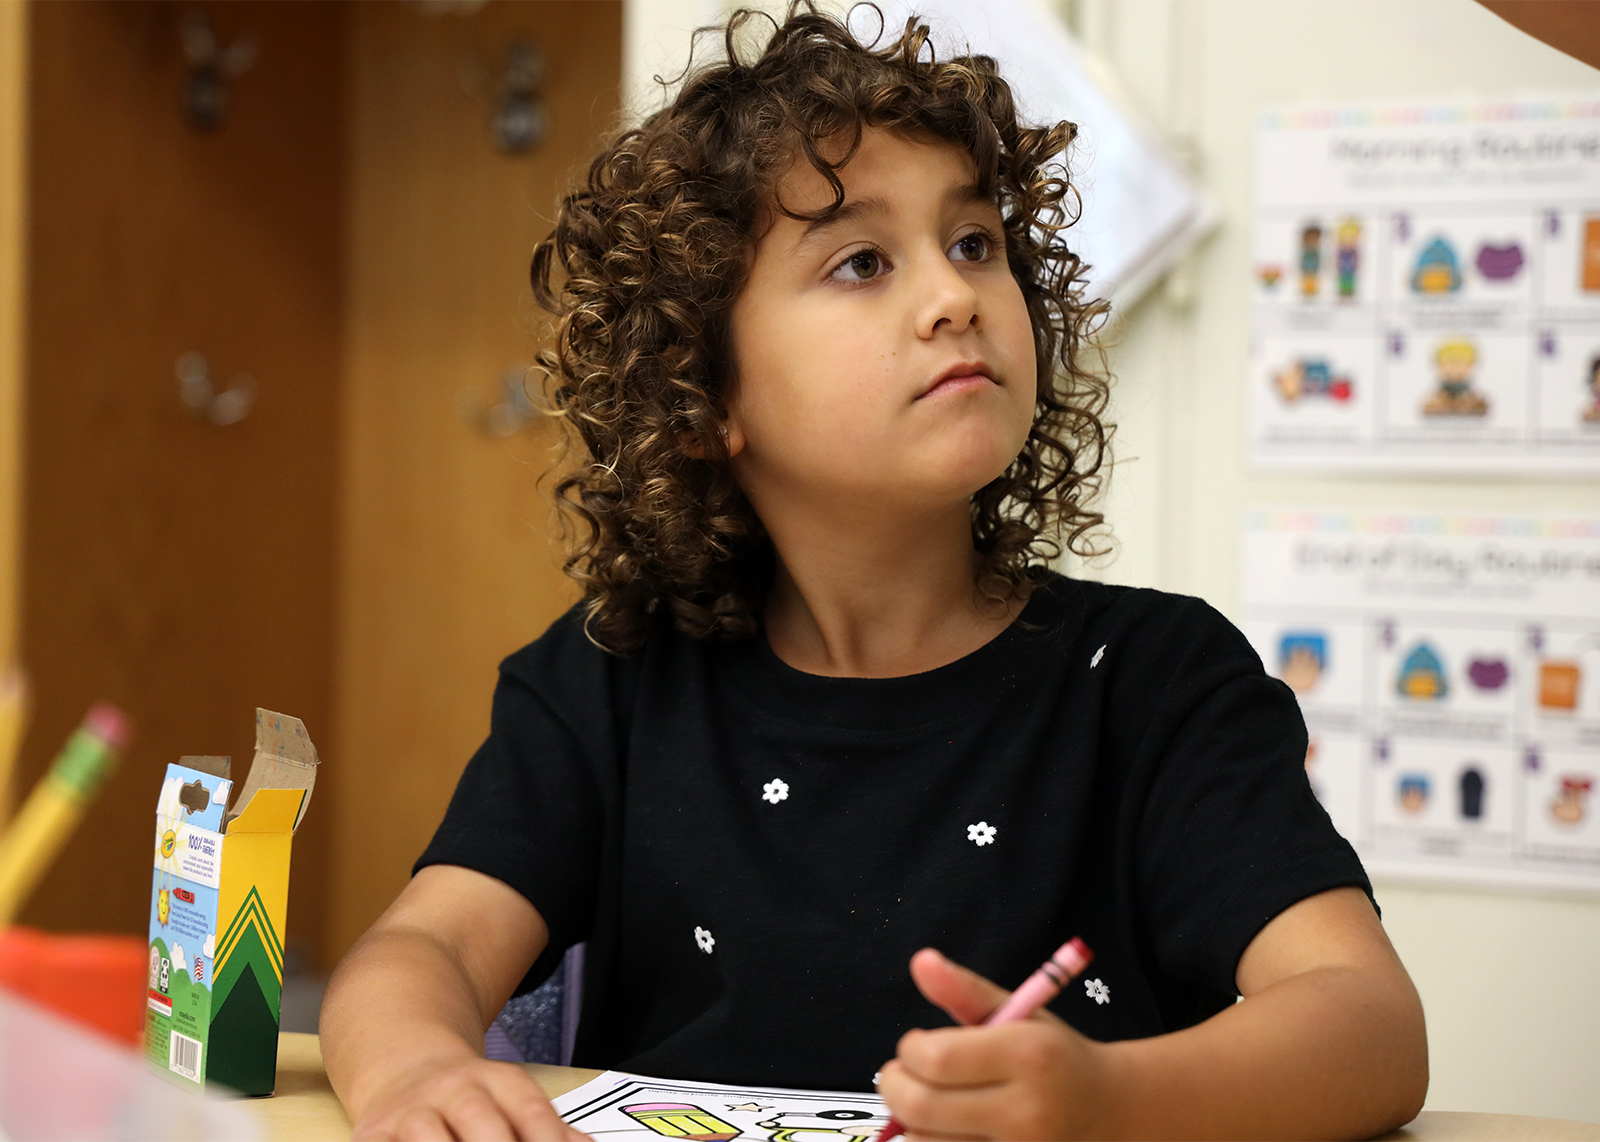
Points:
x=217, y=904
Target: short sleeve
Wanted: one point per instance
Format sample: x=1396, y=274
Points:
x=528, y=811
x=1230, y=833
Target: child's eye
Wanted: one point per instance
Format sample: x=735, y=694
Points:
x=861, y=266
x=974, y=247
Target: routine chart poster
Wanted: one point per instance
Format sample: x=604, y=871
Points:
x=1426, y=285
x=1448, y=667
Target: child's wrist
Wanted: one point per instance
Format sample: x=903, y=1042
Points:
x=1122, y=1091
x=403, y=1061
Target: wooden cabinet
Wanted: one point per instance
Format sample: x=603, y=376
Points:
x=352, y=551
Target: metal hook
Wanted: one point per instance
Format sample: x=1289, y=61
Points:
x=202, y=400
x=521, y=120
x=515, y=411
x=205, y=93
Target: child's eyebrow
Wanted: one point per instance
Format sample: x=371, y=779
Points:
x=849, y=212
x=960, y=194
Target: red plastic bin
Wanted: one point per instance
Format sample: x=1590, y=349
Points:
x=94, y=979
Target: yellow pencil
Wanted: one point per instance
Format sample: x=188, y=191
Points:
x=13, y=716
x=52, y=810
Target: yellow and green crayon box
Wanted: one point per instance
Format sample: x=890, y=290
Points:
x=217, y=904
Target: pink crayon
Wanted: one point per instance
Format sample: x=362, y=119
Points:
x=1036, y=991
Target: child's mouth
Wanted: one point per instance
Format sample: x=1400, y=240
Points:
x=960, y=379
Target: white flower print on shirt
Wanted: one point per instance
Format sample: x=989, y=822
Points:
x=981, y=834
x=705, y=940
x=1098, y=991
x=1098, y=655
x=775, y=790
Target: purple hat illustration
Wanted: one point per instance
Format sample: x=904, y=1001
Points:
x=1499, y=263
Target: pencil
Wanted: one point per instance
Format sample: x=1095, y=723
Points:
x=1036, y=991
x=13, y=716
x=52, y=810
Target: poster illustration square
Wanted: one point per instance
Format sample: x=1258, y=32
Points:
x=1426, y=286
x=1448, y=669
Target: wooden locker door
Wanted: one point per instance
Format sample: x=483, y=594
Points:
x=449, y=561
x=179, y=568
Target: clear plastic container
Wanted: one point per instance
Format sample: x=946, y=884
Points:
x=61, y=1081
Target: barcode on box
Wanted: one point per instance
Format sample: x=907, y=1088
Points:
x=183, y=1056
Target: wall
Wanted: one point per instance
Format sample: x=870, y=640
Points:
x=1509, y=982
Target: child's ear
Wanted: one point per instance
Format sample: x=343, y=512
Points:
x=732, y=436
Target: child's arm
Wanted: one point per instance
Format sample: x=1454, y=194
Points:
x=403, y=1020
x=1328, y=1043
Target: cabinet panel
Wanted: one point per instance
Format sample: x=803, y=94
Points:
x=448, y=561
x=179, y=568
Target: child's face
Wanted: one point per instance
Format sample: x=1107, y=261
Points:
x=886, y=352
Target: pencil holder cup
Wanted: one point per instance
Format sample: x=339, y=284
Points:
x=98, y=981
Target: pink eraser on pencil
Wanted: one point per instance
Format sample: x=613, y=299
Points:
x=109, y=724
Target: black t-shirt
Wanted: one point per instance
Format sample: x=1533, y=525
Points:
x=754, y=853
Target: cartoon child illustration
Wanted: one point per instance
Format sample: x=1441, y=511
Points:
x=1456, y=359
x=1422, y=676
x=824, y=1125
x=1311, y=377
x=1572, y=799
x=1414, y=792
x=1310, y=259
x=1591, y=411
x=1302, y=657
x=1347, y=256
x=1438, y=270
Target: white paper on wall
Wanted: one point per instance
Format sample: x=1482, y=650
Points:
x=1448, y=667
x=1426, y=285
x=1142, y=210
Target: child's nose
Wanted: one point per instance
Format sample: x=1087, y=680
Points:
x=947, y=300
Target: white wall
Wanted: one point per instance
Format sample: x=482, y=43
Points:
x=1511, y=984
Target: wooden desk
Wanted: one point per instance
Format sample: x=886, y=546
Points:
x=305, y=1109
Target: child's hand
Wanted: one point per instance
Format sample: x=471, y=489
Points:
x=469, y=1098
x=1036, y=1078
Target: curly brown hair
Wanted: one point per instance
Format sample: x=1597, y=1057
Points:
x=651, y=250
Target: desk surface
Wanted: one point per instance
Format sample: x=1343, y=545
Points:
x=305, y=1109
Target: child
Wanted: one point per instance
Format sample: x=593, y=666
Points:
x=822, y=344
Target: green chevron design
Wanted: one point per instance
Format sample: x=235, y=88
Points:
x=249, y=951
x=251, y=913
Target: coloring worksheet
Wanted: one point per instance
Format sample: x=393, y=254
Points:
x=622, y=1106
x=1426, y=286
x=1448, y=667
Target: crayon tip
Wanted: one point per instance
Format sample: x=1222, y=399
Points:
x=109, y=724
x=1074, y=956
